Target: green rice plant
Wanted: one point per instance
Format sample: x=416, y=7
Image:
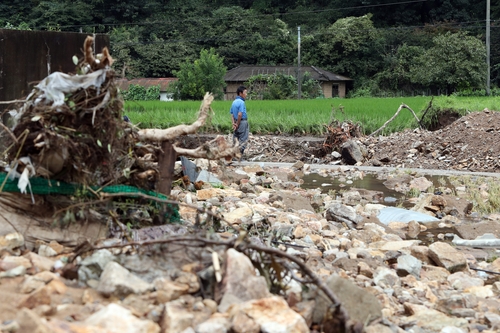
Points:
x=442, y=181
x=281, y=116
x=413, y=192
x=480, y=205
x=431, y=189
x=303, y=117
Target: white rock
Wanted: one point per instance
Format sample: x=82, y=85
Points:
x=116, y=319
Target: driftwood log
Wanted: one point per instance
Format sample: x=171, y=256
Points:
x=215, y=149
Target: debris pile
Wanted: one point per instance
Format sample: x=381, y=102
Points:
x=71, y=128
x=338, y=133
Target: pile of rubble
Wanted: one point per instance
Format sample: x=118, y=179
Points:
x=468, y=143
x=201, y=276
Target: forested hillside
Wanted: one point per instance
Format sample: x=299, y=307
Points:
x=386, y=46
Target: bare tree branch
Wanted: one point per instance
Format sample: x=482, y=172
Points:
x=395, y=115
x=13, y=101
x=179, y=130
x=210, y=151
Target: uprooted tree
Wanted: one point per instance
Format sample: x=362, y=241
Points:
x=70, y=128
x=68, y=137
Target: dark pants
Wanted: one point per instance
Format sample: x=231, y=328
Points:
x=241, y=134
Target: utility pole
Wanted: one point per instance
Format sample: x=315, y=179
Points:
x=298, y=66
x=488, y=46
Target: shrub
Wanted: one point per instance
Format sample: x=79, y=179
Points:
x=139, y=93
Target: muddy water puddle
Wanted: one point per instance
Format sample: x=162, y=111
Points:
x=432, y=235
x=368, y=182
x=336, y=185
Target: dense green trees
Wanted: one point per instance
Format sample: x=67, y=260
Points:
x=386, y=46
x=198, y=77
x=455, y=62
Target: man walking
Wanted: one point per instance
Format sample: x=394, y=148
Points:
x=239, y=118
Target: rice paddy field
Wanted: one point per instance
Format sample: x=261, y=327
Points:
x=304, y=117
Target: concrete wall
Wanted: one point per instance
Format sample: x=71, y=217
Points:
x=230, y=92
x=327, y=88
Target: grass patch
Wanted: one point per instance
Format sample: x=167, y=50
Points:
x=302, y=117
x=306, y=117
x=475, y=187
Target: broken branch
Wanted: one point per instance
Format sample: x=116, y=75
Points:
x=395, y=115
x=177, y=131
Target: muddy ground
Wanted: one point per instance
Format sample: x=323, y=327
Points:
x=468, y=143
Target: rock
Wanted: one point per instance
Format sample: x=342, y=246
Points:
x=351, y=152
x=39, y=263
x=386, y=278
x=242, y=323
x=11, y=241
x=378, y=328
x=433, y=273
x=492, y=318
x=272, y=314
x=218, y=323
x=350, y=296
x=117, y=280
x=394, y=245
x=421, y=253
x=91, y=267
x=306, y=310
x=429, y=319
x=116, y=319
x=56, y=247
x=189, y=279
x=10, y=262
x=13, y=272
x=480, y=291
x=239, y=215
x=46, y=251
x=169, y=290
x=240, y=283
x=10, y=326
x=255, y=168
x=180, y=314
x=397, y=183
x=34, y=282
x=420, y=183
x=207, y=193
x=365, y=269
x=38, y=297
x=339, y=212
x=296, y=201
x=29, y=321
x=452, y=329
x=461, y=281
x=408, y=264
x=446, y=256
x=413, y=229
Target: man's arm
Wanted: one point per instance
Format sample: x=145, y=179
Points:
x=237, y=124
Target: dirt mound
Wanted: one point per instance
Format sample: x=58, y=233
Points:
x=468, y=143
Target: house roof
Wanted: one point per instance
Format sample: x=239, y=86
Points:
x=242, y=73
x=124, y=84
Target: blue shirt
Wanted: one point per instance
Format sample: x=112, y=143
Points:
x=239, y=106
